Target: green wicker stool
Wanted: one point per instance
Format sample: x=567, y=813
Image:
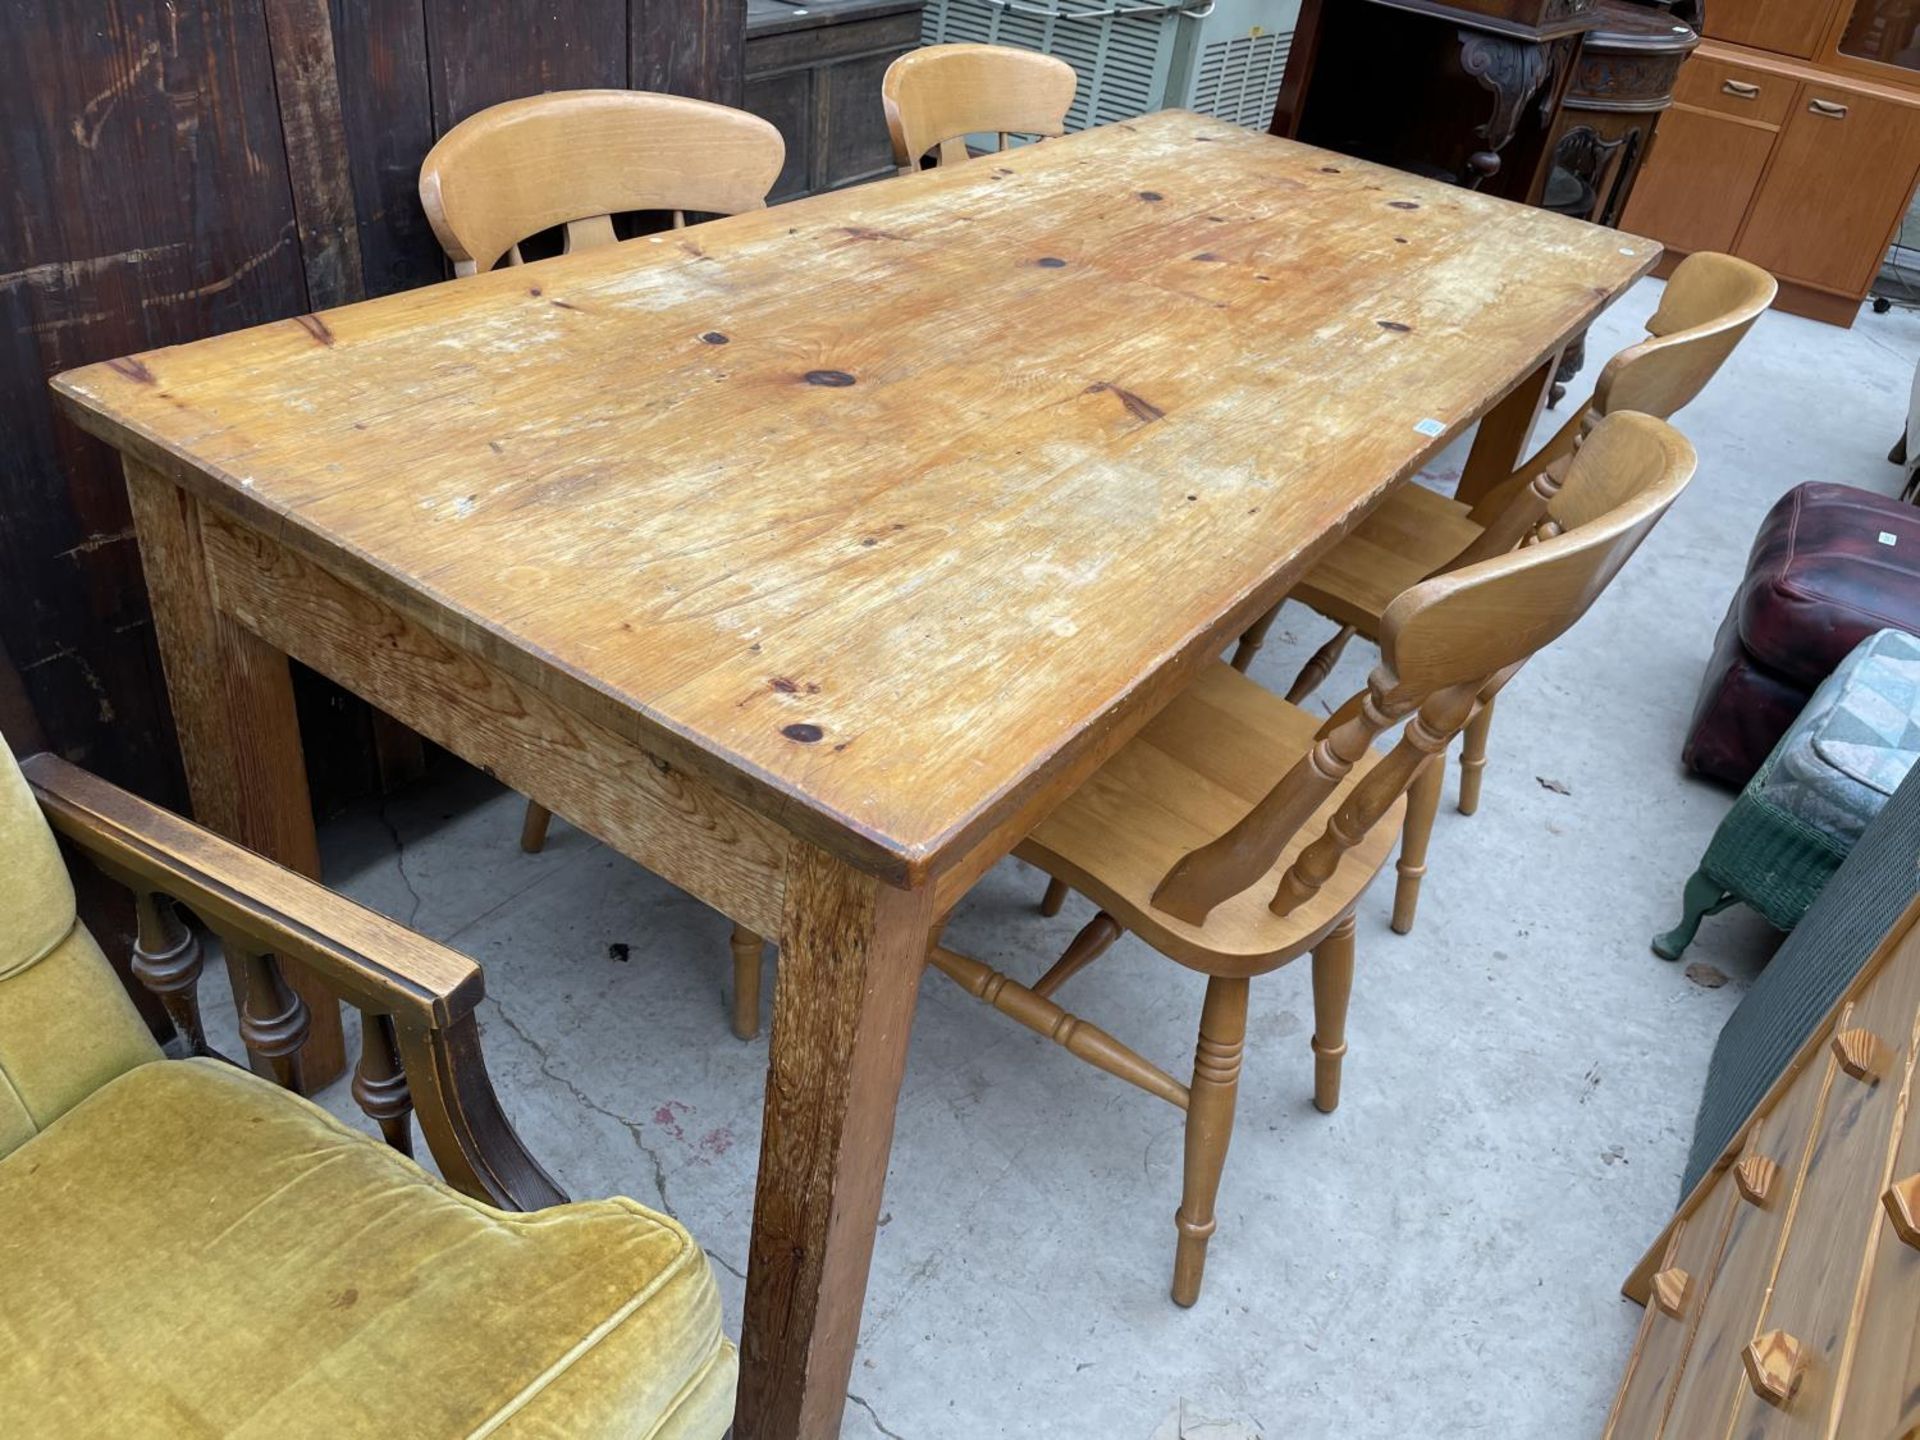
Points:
x=1826, y=779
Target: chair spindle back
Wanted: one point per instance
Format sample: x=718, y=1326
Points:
x=1445, y=643
x=578, y=158
x=937, y=96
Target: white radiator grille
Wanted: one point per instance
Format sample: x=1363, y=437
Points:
x=1238, y=77
x=1122, y=59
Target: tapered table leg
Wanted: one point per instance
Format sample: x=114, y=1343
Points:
x=1502, y=441
x=239, y=737
x=851, y=953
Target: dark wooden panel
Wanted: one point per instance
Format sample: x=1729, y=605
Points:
x=386, y=108
x=149, y=204
x=855, y=145
x=307, y=82
x=689, y=47
x=483, y=53
x=786, y=102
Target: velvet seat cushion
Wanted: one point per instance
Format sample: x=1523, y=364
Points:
x=191, y=1251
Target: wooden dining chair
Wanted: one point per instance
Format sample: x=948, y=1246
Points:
x=1710, y=304
x=1237, y=832
x=937, y=96
x=577, y=158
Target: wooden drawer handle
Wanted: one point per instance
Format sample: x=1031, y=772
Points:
x=1754, y=1177
x=1828, y=110
x=1740, y=90
x=1670, y=1288
x=1776, y=1363
x=1903, y=1208
x=1862, y=1054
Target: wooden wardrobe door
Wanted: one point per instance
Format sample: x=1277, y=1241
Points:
x=1836, y=162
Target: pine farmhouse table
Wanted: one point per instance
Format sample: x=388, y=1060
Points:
x=809, y=557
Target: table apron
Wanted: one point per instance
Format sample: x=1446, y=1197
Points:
x=668, y=821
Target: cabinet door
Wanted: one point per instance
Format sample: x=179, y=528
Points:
x=1789, y=27
x=1841, y=178
x=1699, y=180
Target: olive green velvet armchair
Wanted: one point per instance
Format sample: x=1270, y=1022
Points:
x=187, y=1248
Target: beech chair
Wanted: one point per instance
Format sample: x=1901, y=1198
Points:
x=937, y=96
x=578, y=158
x=1236, y=832
x=192, y=1249
x=1710, y=304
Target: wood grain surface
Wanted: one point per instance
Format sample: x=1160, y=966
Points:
x=876, y=506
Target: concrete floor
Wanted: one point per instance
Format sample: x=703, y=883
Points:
x=1443, y=1256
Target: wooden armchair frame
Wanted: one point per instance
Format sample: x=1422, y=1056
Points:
x=420, y=1044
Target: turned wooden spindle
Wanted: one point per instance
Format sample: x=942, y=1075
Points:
x=167, y=959
x=1775, y=1363
x=1319, y=666
x=1755, y=1177
x=1902, y=1202
x=1224, y=867
x=380, y=1082
x=1215, y=1088
x=1056, y=896
x=748, y=949
x=1426, y=735
x=273, y=1017
x=1251, y=642
x=1670, y=1289
x=1096, y=937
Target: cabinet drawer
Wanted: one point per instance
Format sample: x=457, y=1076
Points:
x=1836, y=1212
x=1734, y=1288
x=1742, y=91
x=1841, y=177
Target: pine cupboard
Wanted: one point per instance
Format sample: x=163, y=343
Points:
x=1794, y=142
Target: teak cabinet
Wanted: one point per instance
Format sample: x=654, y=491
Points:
x=1789, y=147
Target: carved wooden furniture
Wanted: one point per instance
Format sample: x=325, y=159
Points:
x=1782, y=1297
x=1468, y=91
x=1795, y=143
x=1708, y=308
x=1622, y=83
x=813, y=69
x=936, y=97
x=734, y=554
x=577, y=159
x=1236, y=832
x=189, y=1243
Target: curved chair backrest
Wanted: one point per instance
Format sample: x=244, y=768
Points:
x=937, y=96
x=1710, y=303
x=578, y=158
x=1445, y=645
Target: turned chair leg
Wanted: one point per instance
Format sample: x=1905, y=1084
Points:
x=1423, y=802
x=1055, y=897
x=1216, y=1085
x=533, y=829
x=747, y=948
x=1332, y=986
x=1473, y=758
x=1319, y=665
x=1704, y=896
x=1255, y=637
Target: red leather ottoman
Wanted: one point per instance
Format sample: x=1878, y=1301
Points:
x=1831, y=565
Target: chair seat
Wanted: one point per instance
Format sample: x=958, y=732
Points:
x=1409, y=535
x=192, y=1251
x=1191, y=774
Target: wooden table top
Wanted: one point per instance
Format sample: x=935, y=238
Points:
x=880, y=507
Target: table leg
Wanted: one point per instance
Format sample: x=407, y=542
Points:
x=851, y=953
x=1505, y=431
x=239, y=737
